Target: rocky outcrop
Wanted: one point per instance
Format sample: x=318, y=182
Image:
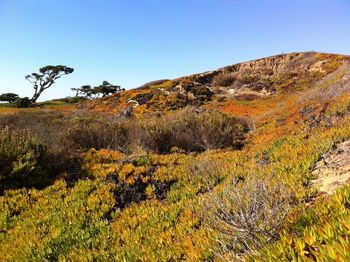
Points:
x=268, y=76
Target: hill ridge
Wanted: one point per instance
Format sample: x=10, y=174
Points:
x=247, y=81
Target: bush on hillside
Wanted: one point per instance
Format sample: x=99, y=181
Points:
x=100, y=133
x=22, y=102
x=190, y=130
x=248, y=215
x=76, y=99
x=47, y=129
x=224, y=80
x=68, y=99
x=21, y=158
x=194, y=132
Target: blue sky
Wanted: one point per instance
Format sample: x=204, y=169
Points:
x=130, y=42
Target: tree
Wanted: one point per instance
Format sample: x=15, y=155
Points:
x=106, y=89
x=46, y=77
x=76, y=90
x=85, y=90
x=9, y=97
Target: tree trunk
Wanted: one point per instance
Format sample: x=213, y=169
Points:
x=35, y=97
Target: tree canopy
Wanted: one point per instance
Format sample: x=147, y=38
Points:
x=9, y=97
x=46, y=77
x=104, y=89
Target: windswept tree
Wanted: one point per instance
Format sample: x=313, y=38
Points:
x=46, y=77
x=76, y=90
x=85, y=90
x=106, y=89
x=9, y=97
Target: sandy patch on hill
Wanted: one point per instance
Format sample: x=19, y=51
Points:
x=333, y=169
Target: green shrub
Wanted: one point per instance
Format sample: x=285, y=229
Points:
x=47, y=129
x=21, y=157
x=22, y=102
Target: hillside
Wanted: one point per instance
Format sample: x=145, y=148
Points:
x=242, y=163
x=264, y=78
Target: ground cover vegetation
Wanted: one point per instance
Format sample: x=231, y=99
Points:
x=191, y=184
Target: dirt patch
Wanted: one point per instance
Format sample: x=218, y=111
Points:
x=333, y=169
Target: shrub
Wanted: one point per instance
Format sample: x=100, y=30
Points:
x=68, y=99
x=48, y=129
x=156, y=135
x=194, y=131
x=21, y=158
x=208, y=170
x=248, y=215
x=187, y=130
x=212, y=130
x=224, y=80
x=22, y=102
x=100, y=133
x=76, y=99
x=190, y=130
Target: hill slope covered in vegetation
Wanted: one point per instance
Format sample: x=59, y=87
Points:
x=213, y=166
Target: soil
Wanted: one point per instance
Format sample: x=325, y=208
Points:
x=332, y=171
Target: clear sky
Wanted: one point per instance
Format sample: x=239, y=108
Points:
x=130, y=42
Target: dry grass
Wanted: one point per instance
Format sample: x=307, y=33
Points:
x=224, y=80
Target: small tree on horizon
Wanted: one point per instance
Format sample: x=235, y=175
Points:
x=46, y=77
x=85, y=90
x=9, y=97
x=105, y=89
